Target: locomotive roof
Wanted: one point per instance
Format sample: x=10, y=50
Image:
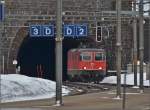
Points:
x=85, y=49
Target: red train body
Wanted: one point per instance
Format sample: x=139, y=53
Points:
x=86, y=64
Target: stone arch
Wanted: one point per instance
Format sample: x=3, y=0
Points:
x=14, y=48
x=16, y=42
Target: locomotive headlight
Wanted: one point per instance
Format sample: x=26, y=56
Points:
x=100, y=68
x=84, y=67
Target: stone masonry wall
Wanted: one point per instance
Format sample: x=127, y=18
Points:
x=21, y=13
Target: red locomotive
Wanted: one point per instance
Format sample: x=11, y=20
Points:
x=87, y=65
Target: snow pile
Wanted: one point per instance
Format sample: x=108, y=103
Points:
x=15, y=87
x=129, y=79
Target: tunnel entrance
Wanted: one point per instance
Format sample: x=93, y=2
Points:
x=36, y=56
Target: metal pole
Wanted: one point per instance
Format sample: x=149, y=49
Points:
x=124, y=92
x=141, y=43
x=149, y=51
x=135, y=44
x=0, y=61
x=59, y=39
x=3, y=64
x=118, y=44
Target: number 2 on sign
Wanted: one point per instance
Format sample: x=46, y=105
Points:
x=81, y=31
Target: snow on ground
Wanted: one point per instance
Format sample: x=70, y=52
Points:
x=15, y=87
x=129, y=79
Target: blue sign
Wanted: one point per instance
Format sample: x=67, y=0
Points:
x=47, y=30
x=1, y=12
x=81, y=30
x=69, y=30
x=75, y=30
x=35, y=30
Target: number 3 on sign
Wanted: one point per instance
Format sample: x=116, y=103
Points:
x=35, y=30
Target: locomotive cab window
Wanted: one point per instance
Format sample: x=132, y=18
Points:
x=85, y=56
x=99, y=56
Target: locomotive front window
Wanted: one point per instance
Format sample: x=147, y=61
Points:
x=99, y=56
x=85, y=56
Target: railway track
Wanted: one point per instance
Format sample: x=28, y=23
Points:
x=83, y=88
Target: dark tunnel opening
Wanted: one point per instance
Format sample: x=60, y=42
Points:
x=36, y=56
